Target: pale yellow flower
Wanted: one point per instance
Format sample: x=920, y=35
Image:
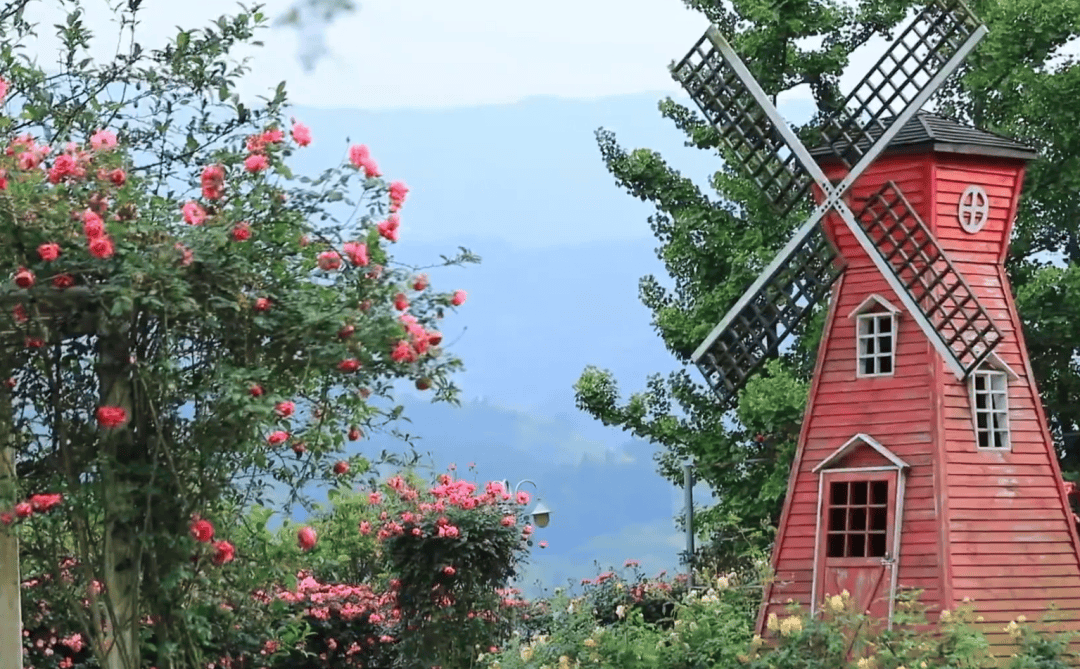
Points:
x=790, y=625
x=945, y=615
x=1013, y=629
x=772, y=623
x=620, y=611
x=564, y=662
x=836, y=603
x=526, y=653
x=590, y=643
x=1021, y=619
x=723, y=582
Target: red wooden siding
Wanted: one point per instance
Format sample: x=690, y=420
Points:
x=991, y=526
x=1014, y=547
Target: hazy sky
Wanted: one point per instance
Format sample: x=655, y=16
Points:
x=425, y=53
x=432, y=53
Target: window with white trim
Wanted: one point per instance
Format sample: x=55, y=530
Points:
x=877, y=339
x=990, y=407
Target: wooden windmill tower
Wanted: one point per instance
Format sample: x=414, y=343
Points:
x=924, y=459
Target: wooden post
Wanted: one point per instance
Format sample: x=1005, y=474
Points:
x=10, y=586
x=121, y=577
x=10, y=590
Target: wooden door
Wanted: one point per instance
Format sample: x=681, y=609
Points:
x=857, y=533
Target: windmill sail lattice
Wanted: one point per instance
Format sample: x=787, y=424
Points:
x=929, y=277
x=937, y=34
x=768, y=151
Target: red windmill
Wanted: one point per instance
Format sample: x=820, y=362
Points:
x=924, y=460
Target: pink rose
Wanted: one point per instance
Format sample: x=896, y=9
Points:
x=194, y=214
x=301, y=134
x=284, y=409
x=224, y=552
x=306, y=538
x=110, y=417
x=202, y=531
x=103, y=140
x=256, y=162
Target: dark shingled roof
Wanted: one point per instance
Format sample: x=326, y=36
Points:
x=927, y=131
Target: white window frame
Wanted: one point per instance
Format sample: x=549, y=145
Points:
x=996, y=378
x=871, y=311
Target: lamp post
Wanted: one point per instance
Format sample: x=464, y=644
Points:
x=539, y=512
x=688, y=485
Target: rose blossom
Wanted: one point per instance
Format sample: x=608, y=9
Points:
x=306, y=538
x=93, y=226
x=23, y=509
x=212, y=181
x=341, y=467
x=256, y=162
x=202, y=531
x=24, y=278
x=102, y=140
x=224, y=552
x=43, y=502
x=101, y=247
x=241, y=232
x=349, y=365
x=301, y=134
x=329, y=260
x=194, y=214
x=49, y=252
x=459, y=298
x=357, y=252
x=110, y=416
x=284, y=409
x=277, y=437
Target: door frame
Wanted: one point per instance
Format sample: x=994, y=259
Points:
x=896, y=466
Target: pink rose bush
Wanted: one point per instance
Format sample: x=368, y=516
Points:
x=161, y=262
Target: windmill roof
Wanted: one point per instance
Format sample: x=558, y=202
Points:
x=928, y=131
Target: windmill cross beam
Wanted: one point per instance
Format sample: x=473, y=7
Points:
x=926, y=53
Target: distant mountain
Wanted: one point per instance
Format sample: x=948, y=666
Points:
x=563, y=248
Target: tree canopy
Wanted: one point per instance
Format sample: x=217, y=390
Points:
x=1017, y=83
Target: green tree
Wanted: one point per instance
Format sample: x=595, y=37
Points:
x=1017, y=83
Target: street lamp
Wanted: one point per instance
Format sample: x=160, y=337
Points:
x=539, y=511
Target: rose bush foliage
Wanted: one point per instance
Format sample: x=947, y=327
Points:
x=392, y=608
x=184, y=321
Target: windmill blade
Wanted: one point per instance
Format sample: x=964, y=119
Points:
x=914, y=67
x=924, y=278
x=769, y=311
x=765, y=148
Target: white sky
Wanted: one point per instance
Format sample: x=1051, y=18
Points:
x=433, y=53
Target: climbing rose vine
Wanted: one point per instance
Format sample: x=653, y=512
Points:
x=184, y=321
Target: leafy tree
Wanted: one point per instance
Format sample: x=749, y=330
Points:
x=1017, y=83
x=184, y=323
